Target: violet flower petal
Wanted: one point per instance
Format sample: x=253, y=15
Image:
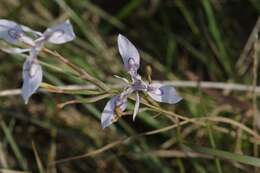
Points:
x=32, y=78
x=122, y=103
x=108, y=112
x=129, y=54
x=15, y=33
x=10, y=31
x=60, y=33
x=163, y=93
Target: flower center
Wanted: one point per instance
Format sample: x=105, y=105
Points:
x=14, y=33
x=131, y=64
x=139, y=85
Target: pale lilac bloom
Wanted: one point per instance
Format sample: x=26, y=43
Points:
x=157, y=91
x=12, y=32
x=32, y=71
x=32, y=77
x=110, y=107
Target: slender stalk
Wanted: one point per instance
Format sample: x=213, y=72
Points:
x=179, y=84
x=78, y=70
x=213, y=145
x=254, y=98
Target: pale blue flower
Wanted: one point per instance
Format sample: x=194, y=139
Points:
x=13, y=33
x=157, y=91
x=32, y=77
x=32, y=71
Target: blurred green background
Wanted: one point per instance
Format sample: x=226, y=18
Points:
x=180, y=39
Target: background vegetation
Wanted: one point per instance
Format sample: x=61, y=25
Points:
x=200, y=40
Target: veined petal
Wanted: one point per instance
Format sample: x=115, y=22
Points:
x=14, y=33
x=163, y=93
x=32, y=78
x=10, y=31
x=129, y=54
x=122, y=101
x=60, y=33
x=108, y=112
x=137, y=104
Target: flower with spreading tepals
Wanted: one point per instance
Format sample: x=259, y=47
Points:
x=14, y=33
x=157, y=91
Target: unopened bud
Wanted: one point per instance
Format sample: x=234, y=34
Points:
x=149, y=73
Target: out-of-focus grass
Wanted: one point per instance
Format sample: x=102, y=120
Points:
x=188, y=40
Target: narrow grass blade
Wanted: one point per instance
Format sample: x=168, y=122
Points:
x=188, y=16
x=3, y=159
x=11, y=171
x=14, y=146
x=228, y=155
x=216, y=34
x=38, y=160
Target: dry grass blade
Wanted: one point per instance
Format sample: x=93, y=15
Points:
x=153, y=132
x=89, y=154
x=250, y=43
x=254, y=97
x=38, y=159
x=3, y=159
x=179, y=84
x=85, y=100
x=178, y=154
x=11, y=171
x=14, y=145
x=80, y=72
